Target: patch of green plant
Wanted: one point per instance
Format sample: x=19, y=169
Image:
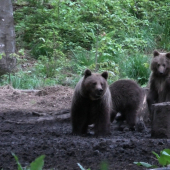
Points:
x=81, y=167
x=67, y=37
x=163, y=159
x=35, y=165
x=27, y=80
x=70, y=24
x=83, y=59
x=135, y=66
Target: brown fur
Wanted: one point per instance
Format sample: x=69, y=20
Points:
x=159, y=90
x=127, y=97
x=91, y=104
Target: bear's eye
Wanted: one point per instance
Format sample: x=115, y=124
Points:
x=164, y=65
x=101, y=84
x=94, y=83
x=158, y=65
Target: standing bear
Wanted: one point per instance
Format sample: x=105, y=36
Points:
x=159, y=83
x=91, y=104
x=127, y=97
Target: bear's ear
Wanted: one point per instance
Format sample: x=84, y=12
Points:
x=155, y=53
x=105, y=75
x=168, y=55
x=87, y=73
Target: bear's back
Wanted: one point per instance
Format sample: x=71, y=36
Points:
x=126, y=94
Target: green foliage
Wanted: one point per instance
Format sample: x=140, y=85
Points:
x=66, y=37
x=144, y=164
x=38, y=163
x=104, y=166
x=82, y=59
x=17, y=161
x=135, y=66
x=2, y=55
x=47, y=67
x=35, y=165
x=163, y=159
x=82, y=167
x=27, y=80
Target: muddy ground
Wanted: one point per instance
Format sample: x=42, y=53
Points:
x=33, y=123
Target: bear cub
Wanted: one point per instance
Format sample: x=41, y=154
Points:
x=127, y=97
x=91, y=104
x=159, y=83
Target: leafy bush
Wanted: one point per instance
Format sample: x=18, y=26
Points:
x=135, y=66
x=82, y=59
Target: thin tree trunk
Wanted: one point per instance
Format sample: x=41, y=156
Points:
x=7, y=37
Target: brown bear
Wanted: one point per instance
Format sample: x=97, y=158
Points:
x=127, y=97
x=159, y=83
x=91, y=104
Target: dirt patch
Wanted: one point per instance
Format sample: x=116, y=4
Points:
x=48, y=100
x=35, y=128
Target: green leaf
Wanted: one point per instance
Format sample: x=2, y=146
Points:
x=80, y=166
x=156, y=154
x=144, y=164
x=164, y=159
x=167, y=151
x=16, y=159
x=104, y=166
x=38, y=163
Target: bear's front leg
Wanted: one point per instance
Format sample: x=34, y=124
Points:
x=102, y=123
x=79, y=118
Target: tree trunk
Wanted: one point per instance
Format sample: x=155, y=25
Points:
x=161, y=120
x=7, y=37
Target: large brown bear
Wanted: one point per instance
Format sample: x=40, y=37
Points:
x=127, y=97
x=91, y=104
x=159, y=83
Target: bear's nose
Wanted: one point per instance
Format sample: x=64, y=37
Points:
x=99, y=91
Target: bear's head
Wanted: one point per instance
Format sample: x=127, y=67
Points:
x=94, y=85
x=160, y=64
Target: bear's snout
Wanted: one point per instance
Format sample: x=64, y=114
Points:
x=161, y=70
x=99, y=92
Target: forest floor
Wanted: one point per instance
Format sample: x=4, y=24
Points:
x=34, y=122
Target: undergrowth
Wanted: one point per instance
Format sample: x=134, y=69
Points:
x=66, y=37
x=38, y=164
x=163, y=159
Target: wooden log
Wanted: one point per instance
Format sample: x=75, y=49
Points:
x=160, y=127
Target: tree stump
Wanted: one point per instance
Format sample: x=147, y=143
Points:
x=161, y=120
